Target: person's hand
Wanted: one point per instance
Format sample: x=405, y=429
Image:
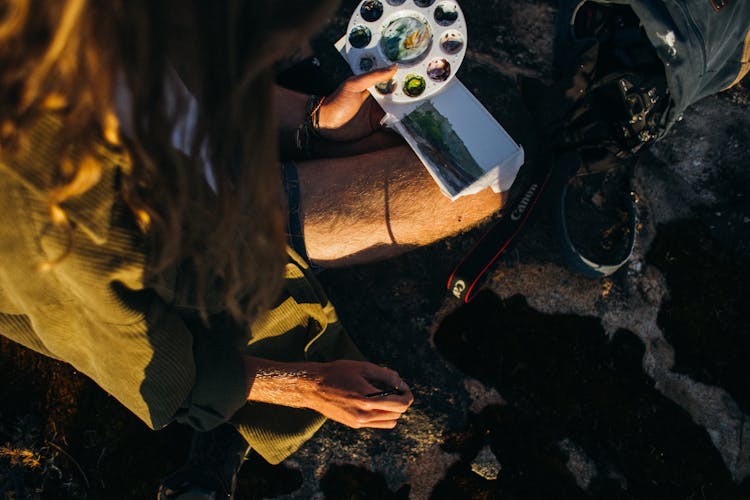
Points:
x=351, y=113
x=337, y=389
x=341, y=394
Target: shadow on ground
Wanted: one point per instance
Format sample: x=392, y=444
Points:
x=568, y=385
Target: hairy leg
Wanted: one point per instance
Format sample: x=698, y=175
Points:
x=378, y=205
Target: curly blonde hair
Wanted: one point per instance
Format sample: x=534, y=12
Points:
x=70, y=56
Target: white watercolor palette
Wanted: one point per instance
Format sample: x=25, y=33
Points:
x=425, y=38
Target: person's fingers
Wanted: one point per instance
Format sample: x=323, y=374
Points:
x=384, y=424
x=387, y=379
x=406, y=397
x=402, y=397
x=394, y=403
x=383, y=377
x=372, y=415
x=352, y=106
x=360, y=83
x=374, y=418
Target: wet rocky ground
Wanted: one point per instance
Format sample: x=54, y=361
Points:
x=547, y=385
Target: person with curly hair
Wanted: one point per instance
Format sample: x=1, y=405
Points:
x=152, y=245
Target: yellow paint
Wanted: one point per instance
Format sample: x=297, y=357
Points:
x=415, y=39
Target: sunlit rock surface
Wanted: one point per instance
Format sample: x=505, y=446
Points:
x=633, y=386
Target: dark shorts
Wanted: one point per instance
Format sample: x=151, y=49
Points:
x=294, y=234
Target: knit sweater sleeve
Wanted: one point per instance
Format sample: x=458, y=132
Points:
x=93, y=309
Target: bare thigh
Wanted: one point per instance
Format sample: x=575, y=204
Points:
x=379, y=204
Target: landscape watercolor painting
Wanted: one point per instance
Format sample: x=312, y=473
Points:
x=442, y=148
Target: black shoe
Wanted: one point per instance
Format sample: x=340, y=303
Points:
x=211, y=470
x=598, y=221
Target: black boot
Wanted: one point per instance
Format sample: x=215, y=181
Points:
x=211, y=470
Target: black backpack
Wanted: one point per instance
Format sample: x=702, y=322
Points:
x=628, y=70
x=641, y=63
x=704, y=45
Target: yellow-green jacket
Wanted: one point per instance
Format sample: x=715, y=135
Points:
x=95, y=311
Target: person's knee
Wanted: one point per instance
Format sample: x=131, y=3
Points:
x=379, y=205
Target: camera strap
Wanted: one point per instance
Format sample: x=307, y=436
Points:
x=472, y=269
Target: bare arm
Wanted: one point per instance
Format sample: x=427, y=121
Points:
x=337, y=390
